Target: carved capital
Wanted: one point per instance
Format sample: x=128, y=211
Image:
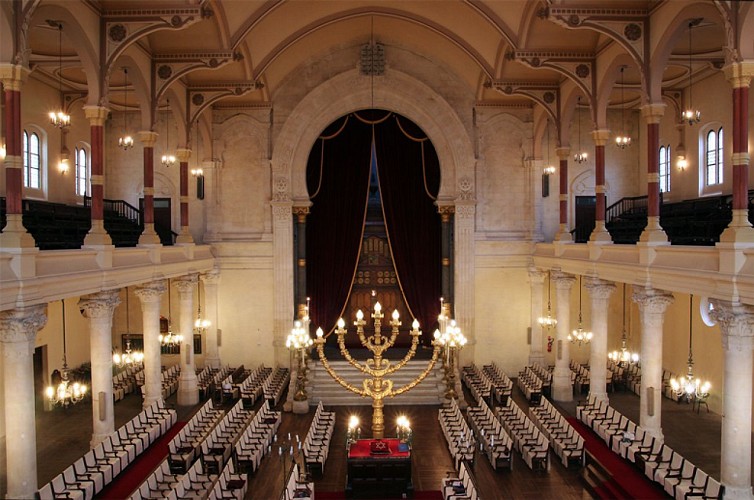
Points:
x=100, y=305
x=652, y=301
x=537, y=275
x=736, y=324
x=301, y=213
x=599, y=289
x=96, y=115
x=563, y=281
x=148, y=138
x=465, y=212
x=600, y=136
x=13, y=76
x=22, y=324
x=210, y=278
x=151, y=292
x=186, y=284
x=281, y=212
x=739, y=74
x=653, y=113
x=183, y=155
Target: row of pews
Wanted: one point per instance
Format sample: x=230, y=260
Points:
x=679, y=477
x=316, y=445
x=88, y=475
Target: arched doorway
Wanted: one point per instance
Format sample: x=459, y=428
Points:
x=373, y=232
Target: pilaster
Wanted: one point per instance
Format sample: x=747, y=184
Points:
x=188, y=387
x=210, y=281
x=536, y=283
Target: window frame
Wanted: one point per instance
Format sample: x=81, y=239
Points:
x=711, y=159
x=40, y=190
x=84, y=148
x=664, y=154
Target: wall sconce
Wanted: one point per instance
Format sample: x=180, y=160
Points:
x=681, y=162
x=199, y=174
x=3, y=151
x=548, y=171
x=63, y=166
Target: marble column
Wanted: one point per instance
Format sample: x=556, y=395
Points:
x=150, y=295
x=184, y=238
x=14, y=234
x=562, y=390
x=210, y=280
x=148, y=235
x=652, y=306
x=737, y=331
x=97, y=236
x=564, y=234
x=536, y=282
x=446, y=218
x=18, y=330
x=600, y=233
x=98, y=308
x=739, y=230
x=653, y=233
x=600, y=292
x=300, y=214
x=188, y=388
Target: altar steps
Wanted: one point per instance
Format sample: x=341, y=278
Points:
x=323, y=388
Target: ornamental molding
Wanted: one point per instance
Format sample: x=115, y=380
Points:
x=627, y=27
x=578, y=66
x=210, y=278
x=546, y=94
x=599, y=289
x=280, y=189
x=167, y=68
x=563, y=281
x=22, y=324
x=736, y=322
x=202, y=96
x=123, y=27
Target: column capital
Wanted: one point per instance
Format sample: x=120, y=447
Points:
x=599, y=289
x=148, y=138
x=151, y=292
x=183, y=155
x=96, y=115
x=23, y=323
x=186, y=284
x=563, y=281
x=13, y=76
x=210, y=277
x=600, y=136
x=654, y=112
x=563, y=152
x=300, y=212
x=652, y=300
x=101, y=304
x=736, y=324
x=739, y=74
x=536, y=275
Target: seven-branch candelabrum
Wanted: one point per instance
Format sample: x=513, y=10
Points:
x=376, y=386
x=299, y=342
x=449, y=337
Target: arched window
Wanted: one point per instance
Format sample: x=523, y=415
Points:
x=713, y=157
x=664, y=169
x=82, y=170
x=32, y=160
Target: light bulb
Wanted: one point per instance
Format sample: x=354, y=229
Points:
x=396, y=315
x=320, y=333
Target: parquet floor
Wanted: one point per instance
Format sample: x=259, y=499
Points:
x=63, y=436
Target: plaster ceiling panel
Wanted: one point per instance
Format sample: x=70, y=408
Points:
x=201, y=36
x=232, y=72
x=544, y=35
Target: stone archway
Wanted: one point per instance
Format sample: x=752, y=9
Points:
x=336, y=97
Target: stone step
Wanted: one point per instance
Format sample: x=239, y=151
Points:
x=323, y=388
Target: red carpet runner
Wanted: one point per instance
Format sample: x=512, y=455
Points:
x=135, y=474
x=339, y=495
x=623, y=472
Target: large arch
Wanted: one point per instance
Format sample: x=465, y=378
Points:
x=345, y=93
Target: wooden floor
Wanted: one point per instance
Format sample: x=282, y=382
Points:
x=63, y=436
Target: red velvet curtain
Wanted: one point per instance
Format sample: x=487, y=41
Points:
x=338, y=184
x=409, y=177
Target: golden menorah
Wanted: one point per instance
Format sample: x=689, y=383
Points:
x=376, y=386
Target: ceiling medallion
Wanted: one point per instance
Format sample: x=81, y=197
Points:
x=582, y=70
x=117, y=32
x=197, y=99
x=632, y=31
x=164, y=71
x=574, y=20
x=549, y=97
